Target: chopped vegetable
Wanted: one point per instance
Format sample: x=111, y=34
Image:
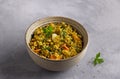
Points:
x=37, y=50
x=64, y=34
x=53, y=36
x=48, y=31
x=65, y=47
x=75, y=37
x=98, y=59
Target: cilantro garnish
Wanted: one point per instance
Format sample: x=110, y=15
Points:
x=48, y=31
x=98, y=59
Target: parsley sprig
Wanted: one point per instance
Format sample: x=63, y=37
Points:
x=98, y=59
x=48, y=31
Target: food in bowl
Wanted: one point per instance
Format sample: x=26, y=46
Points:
x=57, y=64
x=56, y=41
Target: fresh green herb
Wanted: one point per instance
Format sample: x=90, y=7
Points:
x=63, y=33
x=48, y=31
x=46, y=48
x=98, y=59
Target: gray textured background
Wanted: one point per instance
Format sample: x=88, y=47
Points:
x=101, y=19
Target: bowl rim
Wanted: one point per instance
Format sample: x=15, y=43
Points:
x=48, y=58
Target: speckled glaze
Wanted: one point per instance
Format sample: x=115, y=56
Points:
x=57, y=65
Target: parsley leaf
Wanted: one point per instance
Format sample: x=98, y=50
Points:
x=48, y=31
x=64, y=33
x=98, y=59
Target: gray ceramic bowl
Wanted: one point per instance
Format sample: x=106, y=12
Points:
x=57, y=65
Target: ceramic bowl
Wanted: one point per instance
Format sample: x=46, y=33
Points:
x=57, y=65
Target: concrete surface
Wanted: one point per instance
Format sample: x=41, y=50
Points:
x=101, y=18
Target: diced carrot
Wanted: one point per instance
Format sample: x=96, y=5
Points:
x=76, y=37
x=52, y=57
x=56, y=56
x=65, y=47
x=37, y=50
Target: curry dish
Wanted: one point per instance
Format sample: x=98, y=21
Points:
x=55, y=41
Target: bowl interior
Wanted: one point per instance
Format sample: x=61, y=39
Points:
x=79, y=28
